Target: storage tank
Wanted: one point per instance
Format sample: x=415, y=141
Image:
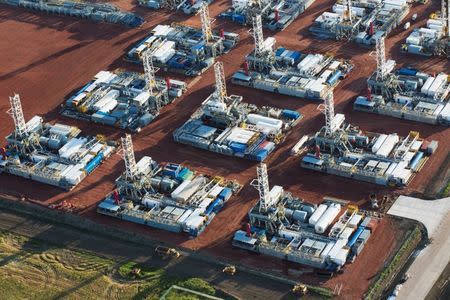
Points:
x=254, y=119
x=150, y=203
x=327, y=217
x=317, y=214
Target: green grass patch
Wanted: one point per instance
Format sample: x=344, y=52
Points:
x=389, y=272
x=133, y=270
x=199, y=285
x=182, y=295
x=320, y=291
x=34, y=269
x=446, y=191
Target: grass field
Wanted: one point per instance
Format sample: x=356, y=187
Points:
x=32, y=269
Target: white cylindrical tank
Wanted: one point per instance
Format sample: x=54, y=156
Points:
x=254, y=119
x=327, y=217
x=189, y=189
x=317, y=214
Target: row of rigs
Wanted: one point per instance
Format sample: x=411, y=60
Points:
x=406, y=93
x=346, y=150
x=289, y=72
x=361, y=21
x=434, y=39
x=166, y=196
x=324, y=237
x=186, y=6
x=227, y=125
x=97, y=12
x=276, y=15
x=183, y=49
x=130, y=100
x=54, y=154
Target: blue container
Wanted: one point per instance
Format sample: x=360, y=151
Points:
x=182, y=173
x=172, y=170
x=261, y=155
x=225, y=194
x=355, y=236
x=334, y=78
x=238, y=18
x=415, y=160
x=238, y=147
x=407, y=72
x=212, y=206
x=296, y=55
x=269, y=147
x=290, y=114
x=93, y=163
x=279, y=51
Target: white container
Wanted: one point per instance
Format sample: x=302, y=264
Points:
x=317, y=214
x=354, y=221
x=190, y=189
x=426, y=85
x=380, y=140
x=340, y=258
x=346, y=233
x=72, y=146
x=327, y=217
x=254, y=119
x=142, y=98
x=388, y=145
x=179, y=189
x=275, y=193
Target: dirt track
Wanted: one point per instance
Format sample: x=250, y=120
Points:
x=45, y=58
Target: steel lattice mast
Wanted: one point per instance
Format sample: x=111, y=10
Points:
x=258, y=36
x=17, y=114
x=221, y=88
x=149, y=71
x=328, y=110
x=347, y=13
x=206, y=22
x=128, y=157
x=445, y=10
x=381, y=58
x=262, y=185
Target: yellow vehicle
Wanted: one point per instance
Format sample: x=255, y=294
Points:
x=230, y=270
x=300, y=289
x=166, y=252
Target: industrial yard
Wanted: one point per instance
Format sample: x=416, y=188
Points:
x=169, y=197
x=184, y=49
x=286, y=227
x=406, y=93
x=289, y=72
x=61, y=54
x=360, y=21
x=434, y=39
x=276, y=15
x=123, y=99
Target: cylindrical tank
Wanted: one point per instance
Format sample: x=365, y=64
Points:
x=167, y=184
x=254, y=119
x=299, y=215
x=327, y=217
x=149, y=203
x=155, y=182
x=309, y=209
x=317, y=214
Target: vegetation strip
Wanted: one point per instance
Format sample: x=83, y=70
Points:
x=391, y=269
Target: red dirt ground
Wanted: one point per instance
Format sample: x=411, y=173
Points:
x=46, y=58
